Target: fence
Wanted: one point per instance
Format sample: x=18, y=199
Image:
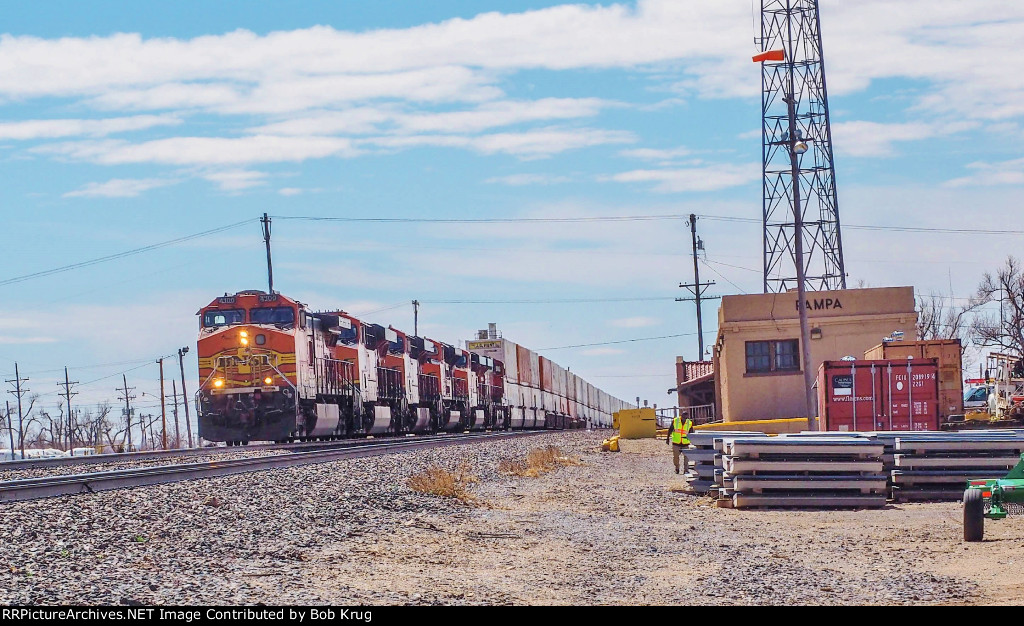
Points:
x=700, y=414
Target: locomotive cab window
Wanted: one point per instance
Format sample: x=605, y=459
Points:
x=765, y=357
x=348, y=336
x=223, y=317
x=272, y=315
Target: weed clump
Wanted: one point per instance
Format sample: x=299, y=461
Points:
x=438, y=481
x=537, y=462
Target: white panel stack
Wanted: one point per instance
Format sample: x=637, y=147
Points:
x=817, y=472
x=703, y=460
x=937, y=466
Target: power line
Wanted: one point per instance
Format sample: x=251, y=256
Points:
x=562, y=347
x=119, y=255
x=550, y=301
x=628, y=218
x=481, y=220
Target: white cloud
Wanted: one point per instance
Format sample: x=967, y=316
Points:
x=290, y=191
x=971, y=63
x=45, y=129
x=496, y=114
x=873, y=139
x=6, y=339
x=635, y=322
x=655, y=154
x=119, y=188
x=710, y=178
x=520, y=180
x=236, y=180
x=530, y=144
x=988, y=174
x=366, y=120
x=204, y=150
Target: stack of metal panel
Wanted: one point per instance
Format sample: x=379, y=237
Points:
x=837, y=471
x=704, y=458
x=937, y=466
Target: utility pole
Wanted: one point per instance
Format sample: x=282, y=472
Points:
x=19, y=391
x=67, y=398
x=798, y=255
x=265, y=220
x=416, y=318
x=10, y=427
x=163, y=406
x=177, y=431
x=184, y=394
x=127, y=397
x=697, y=288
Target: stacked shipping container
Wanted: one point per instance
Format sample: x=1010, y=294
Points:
x=542, y=393
x=895, y=394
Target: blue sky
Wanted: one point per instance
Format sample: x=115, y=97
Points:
x=125, y=124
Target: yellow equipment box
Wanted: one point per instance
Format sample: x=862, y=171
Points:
x=636, y=423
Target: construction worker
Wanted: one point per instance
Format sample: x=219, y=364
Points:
x=677, y=434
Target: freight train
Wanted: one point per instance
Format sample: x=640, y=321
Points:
x=271, y=369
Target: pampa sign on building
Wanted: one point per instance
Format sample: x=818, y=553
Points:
x=820, y=304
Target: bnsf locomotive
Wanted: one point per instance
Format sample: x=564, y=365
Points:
x=272, y=370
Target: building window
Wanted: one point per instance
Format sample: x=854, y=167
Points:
x=773, y=356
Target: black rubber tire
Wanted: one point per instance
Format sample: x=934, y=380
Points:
x=974, y=515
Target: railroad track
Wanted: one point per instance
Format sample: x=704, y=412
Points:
x=122, y=457
x=50, y=486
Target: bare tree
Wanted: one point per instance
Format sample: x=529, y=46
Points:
x=8, y=425
x=113, y=430
x=92, y=426
x=938, y=317
x=25, y=423
x=1003, y=330
x=53, y=430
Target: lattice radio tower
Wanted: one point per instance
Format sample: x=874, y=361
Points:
x=799, y=175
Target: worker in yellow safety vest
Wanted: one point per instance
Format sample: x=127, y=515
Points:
x=677, y=434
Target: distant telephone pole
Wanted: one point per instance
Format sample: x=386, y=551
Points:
x=10, y=428
x=177, y=430
x=67, y=398
x=19, y=391
x=265, y=220
x=127, y=397
x=416, y=318
x=163, y=406
x=184, y=394
x=697, y=288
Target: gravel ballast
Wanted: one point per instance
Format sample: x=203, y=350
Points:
x=613, y=529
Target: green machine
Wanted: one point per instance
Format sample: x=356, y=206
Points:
x=993, y=498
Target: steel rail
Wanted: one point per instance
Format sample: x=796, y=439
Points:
x=127, y=457
x=51, y=486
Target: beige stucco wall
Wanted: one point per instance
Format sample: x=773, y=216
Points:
x=851, y=321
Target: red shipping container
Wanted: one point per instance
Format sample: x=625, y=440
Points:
x=892, y=394
x=546, y=374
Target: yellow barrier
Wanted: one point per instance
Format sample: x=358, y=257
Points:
x=771, y=427
x=636, y=423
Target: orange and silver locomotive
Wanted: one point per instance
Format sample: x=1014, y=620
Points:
x=270, y=369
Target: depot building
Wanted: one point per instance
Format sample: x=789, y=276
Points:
x=758, y=373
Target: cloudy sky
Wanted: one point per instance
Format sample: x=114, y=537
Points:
x=125, y=124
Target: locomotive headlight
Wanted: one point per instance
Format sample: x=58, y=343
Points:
x=244, y=341
x=243, y=337
x=268, y=380
x=218, y=383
